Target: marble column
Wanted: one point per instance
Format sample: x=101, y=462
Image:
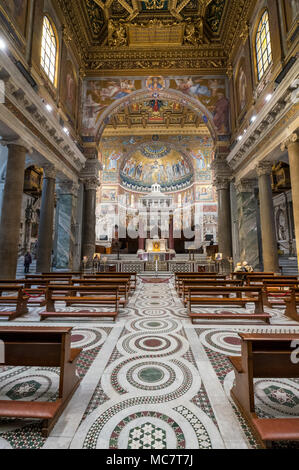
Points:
x=224, y=217
x=141, y=243
x=11, y=211
x=89, y=218
x=45, y=233
x=171, y=239
x=269, y=240
x=66, y=224
x=292, y=144
x=247, y=222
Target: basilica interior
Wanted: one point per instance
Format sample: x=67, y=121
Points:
x=149, y=201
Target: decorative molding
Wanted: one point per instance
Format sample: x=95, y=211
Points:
x=36, y=124
x=91, y=184
x=264, y=168
x=292, y=139
x=50, y=171
x=272, y=116
x=245, y=185
x=67, y=187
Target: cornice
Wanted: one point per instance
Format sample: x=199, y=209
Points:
x=271, y=116
x=26, y=105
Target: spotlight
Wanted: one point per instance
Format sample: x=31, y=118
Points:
x=253, y=119
x=65, y=129
x=2, y=44
x=49, y=108
x=268, y=97
x=240, y=137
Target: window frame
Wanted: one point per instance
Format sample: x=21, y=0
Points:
x=49, y=60
x=262, y=46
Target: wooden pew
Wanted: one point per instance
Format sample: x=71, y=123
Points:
x=260, y=279
x=179, y=277
x=291, y=303
x=186, y=283
x=264, y=356
x=41, y=347
x=131, y=276
x=19, y=299
x=93, y=295
x=123, y=284
x=219, y=296
x=276, y=292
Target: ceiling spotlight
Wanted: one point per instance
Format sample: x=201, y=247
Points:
x=65, y=129
x=240, y=137
x=2, y=45
x=268, y=97
x=49, y=108
x=253, y=118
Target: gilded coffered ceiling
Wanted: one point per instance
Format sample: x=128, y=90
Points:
x=115, y=36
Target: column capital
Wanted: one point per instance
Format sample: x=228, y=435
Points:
x=49, y=171
x=292, y=139
x=16, y=143
x=264, y=168
x=91, y=184
x=68, y=187
x=221, y=183
x=245, y=185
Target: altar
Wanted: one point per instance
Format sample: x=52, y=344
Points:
x=156, y=250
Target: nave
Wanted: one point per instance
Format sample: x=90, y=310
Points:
x=152, y=380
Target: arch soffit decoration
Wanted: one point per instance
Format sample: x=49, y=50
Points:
x=168, y=94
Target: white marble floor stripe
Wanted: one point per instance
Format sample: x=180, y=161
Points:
x=229, y=427
x=64, y=431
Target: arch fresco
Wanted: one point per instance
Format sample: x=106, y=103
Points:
x=206, y=96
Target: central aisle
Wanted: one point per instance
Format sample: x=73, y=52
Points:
x=152, y=380
x=158, y=389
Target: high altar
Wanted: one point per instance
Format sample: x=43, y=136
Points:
x=156, y=250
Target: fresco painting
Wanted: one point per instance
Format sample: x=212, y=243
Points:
x=99, y=94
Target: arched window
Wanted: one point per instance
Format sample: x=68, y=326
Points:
x=49, y=50
x=263, y=46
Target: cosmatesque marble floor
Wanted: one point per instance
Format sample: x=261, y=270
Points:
x=150, y=381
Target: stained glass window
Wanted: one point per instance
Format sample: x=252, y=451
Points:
x=263, y=46
x=49, y=50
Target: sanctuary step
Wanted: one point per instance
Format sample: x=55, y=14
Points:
x=288, y=265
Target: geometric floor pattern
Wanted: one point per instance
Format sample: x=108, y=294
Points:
x=152, y=380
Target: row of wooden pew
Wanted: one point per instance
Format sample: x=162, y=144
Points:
x=51, y=346
x=47, y=289
x=262, y=289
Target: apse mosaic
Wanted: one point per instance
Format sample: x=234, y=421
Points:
x=156, y=163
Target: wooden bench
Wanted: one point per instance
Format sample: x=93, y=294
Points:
x=186, y=283
x=123, y=284
x=264, y=356
x=41, y=347
x=260, y=279
x=131, y=276
x=19, y=299
x=291, y=303
x=276, y=292
x=179, y=277
x=92, y=295
x=219, y=296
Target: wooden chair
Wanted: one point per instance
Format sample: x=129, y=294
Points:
x=41, y=347
x=264, y=356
